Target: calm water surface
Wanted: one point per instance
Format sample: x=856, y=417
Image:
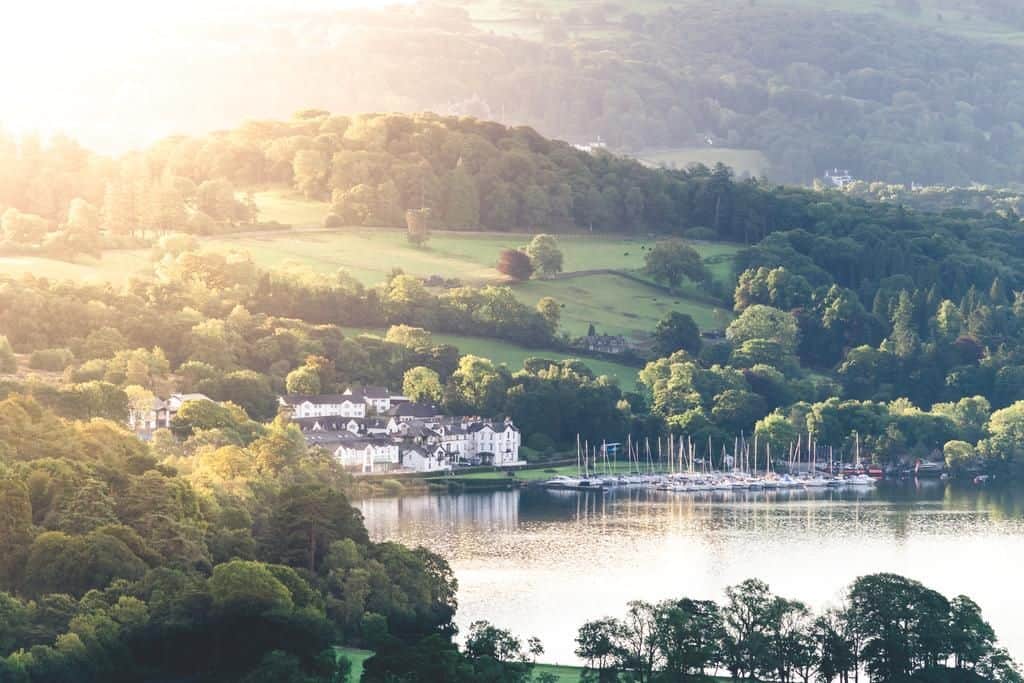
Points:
x=541, y=563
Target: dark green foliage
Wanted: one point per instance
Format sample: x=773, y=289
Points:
x=677, y=331
x=895, y=628
x=305, y=521
x=670, y=261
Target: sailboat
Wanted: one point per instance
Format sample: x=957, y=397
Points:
x=861, y=478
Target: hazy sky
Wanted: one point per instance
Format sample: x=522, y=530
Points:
x=78, y=66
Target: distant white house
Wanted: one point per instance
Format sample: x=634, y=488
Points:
x=369, y=455
x=592, y=146
x=838, y=177
x=465, y=440
x=409, y=442
x=324, y=405
x=364, y=455
x=426, y=459
x=159, y=416
x=351, y=403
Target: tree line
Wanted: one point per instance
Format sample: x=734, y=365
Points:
x=888, y=626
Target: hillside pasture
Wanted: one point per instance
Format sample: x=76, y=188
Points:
x=513, y=355
x=115, y=266
x=617, y=305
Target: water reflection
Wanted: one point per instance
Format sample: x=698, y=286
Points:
x=542, y=562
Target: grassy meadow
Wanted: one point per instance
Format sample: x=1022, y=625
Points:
x=617, y=305
x=512, y=356
x=613, y=304
x=563, y=674
x=115, y=266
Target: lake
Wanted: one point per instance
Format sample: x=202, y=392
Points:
x=540, y=563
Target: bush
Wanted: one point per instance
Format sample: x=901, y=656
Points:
x=333, y=220
x=51, y=360
x=392, y=487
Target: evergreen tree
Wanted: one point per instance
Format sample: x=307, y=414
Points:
x=904, y=338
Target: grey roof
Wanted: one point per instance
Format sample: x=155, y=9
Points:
x=496, y=426
x=414, y=410
x=376, y=392
x=321, y=399
x=331, y=438
x=327, y=423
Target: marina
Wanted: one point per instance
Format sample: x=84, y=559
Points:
x=678, y=468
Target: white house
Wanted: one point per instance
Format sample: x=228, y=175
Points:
x=375, y=444
x=356, y=403
x=838, y=177
x=325, y=405
x=161, y=413
x=379, y=399
x=465, y=441
x=426, y=459
x=368, y=455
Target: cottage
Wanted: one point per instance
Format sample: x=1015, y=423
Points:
x=422, y=459
x=364, y=455
x=605, y=343
x=369, y=455
x=161, y=413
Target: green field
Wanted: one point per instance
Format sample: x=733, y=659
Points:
x=616, y=305
x=356, y=657
x=370, y=253
x=115, y=266
x=564, y=674
x=511, y=355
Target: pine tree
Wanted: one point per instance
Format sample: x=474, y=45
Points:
x=904, y=338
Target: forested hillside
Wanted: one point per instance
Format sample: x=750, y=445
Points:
x=474, y=174
x=895, y=90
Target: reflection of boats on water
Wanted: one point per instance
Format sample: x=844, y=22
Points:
x=928, y=469
x=566, y=483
